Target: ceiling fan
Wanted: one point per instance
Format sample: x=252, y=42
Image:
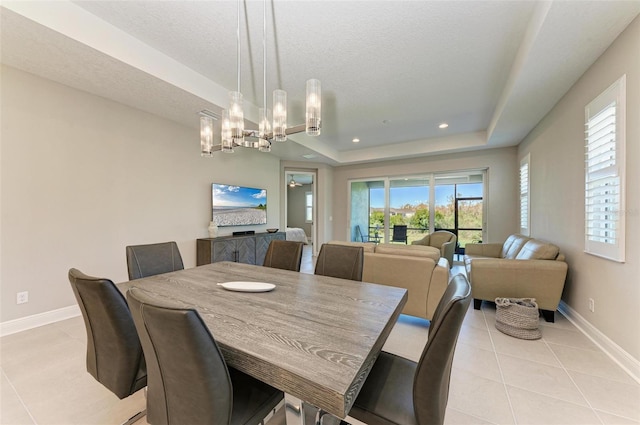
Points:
x=294, y=183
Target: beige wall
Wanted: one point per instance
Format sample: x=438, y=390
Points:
x=502, y=177
x=82, y=177
x=557, y=196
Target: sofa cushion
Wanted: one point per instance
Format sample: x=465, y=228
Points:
x=409, y=250
x=513, y=245
x=366, y=246
x=537, y=250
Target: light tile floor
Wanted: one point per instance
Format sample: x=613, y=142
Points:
x=496, y=379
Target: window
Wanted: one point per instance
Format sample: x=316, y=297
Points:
x=604, y=173
x=452, y=201
x=525, y=223
x=308, y=203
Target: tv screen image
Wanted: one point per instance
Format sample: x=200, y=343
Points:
x=237, y=205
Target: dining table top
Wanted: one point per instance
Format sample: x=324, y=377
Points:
x=314, y=337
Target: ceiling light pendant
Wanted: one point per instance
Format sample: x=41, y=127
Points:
x=264, y=145
x=279, y=115
x=270, y=128
x=236, y=118
x=206, y=135
x=226, y=142
x=314, y=107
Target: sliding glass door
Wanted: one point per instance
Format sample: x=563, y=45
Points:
x=409, y=206
x=451, y=201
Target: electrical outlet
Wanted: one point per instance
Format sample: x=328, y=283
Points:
x=22, y=297
x=592, y=305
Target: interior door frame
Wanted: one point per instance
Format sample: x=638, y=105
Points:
x=288, y=173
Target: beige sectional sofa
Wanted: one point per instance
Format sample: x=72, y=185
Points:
x=419, y=269
x=521, y=267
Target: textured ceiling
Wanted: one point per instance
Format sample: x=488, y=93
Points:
x=391, y=71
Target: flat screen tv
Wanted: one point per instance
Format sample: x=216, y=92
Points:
x=237, y=205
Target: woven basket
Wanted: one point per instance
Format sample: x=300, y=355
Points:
x=518, y=317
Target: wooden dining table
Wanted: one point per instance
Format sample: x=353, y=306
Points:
x=313, y=337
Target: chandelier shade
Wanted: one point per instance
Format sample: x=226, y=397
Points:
x=226, y=141
x=206, y=135
x=236, y=118
x=314, y=107
x=264, y=130
x=279, y=115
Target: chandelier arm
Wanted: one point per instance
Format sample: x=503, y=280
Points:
x=254, y=134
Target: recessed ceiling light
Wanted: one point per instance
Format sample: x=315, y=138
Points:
x=355, y=140
x=309, y=156
x=443, y=125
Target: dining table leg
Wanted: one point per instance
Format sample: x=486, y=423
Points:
x=294, y=409
x=298, y=412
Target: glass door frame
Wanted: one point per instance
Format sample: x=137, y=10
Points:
x=431, y=177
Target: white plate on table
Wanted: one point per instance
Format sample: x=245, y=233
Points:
x=248, y=286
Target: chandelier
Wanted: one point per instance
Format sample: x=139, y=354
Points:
x=270, y=128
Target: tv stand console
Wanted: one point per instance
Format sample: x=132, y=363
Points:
x=249, y=249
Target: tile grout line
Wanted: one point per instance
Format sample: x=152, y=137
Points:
x=572, y=381
x=19, y=398
x=595, y=411
x=504, y=384
x=473, y=416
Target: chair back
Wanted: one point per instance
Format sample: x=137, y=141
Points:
x=360, y=237
x=153, y=259
x=189, y=381
x=114, y=353
x=431, y=381
x=399, y=233
x=439, y=237
x=341, y=261
x=286, y=255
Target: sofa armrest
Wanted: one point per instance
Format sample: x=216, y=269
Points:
x=411, y=273
x=540, y=279
x=493, y=250
x=437, y=286
x=447, y=251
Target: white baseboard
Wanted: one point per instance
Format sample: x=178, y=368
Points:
x=25, y=323
x=610, y=348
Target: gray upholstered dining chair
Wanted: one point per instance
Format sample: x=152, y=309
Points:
x=286, y=255
x=153, y=259
x=399, y=391
x=189, y=382
x=341, y=261
x=114, y=354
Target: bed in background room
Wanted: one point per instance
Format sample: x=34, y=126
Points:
x=296, y=234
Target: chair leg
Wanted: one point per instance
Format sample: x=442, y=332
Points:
x=135, y=418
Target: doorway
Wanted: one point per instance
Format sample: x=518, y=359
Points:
x=300, y=205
